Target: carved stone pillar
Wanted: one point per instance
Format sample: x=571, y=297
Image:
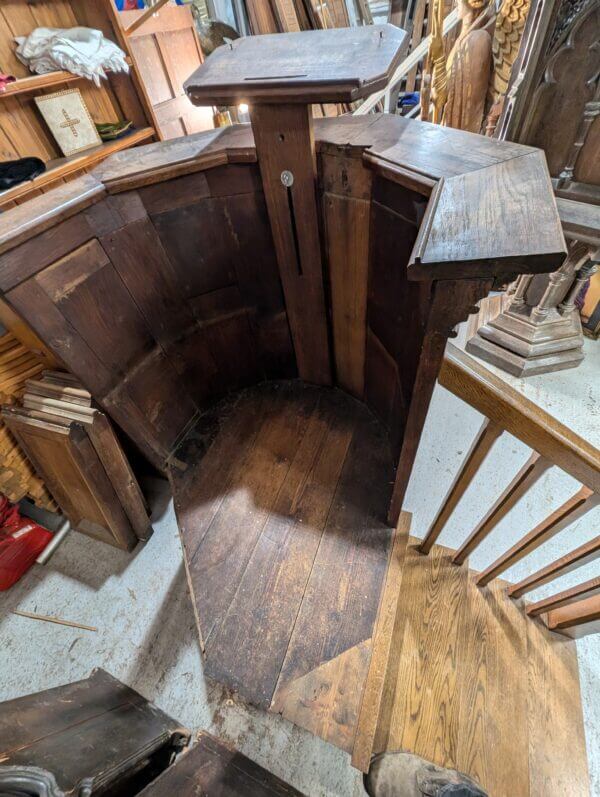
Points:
x=538, y=328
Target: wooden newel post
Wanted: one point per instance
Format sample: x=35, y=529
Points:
x=281, y=76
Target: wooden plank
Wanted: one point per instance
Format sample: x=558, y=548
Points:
x=478, y=451
x=527, y=476
x=347, y=225
x=144, y=16
x=277, y=572
x=461, y=243
x=557, y=753
x=570, y=511
x=583, y=555
x=578, y=619
x=383, y=638
x=295, y=227
x=423, y=715
x=345, y=586
x=468, y=379
x=492, y=710
x=587, y=589
x=223, y=554
x=215, y=768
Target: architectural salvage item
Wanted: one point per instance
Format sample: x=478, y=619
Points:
x=90, y=737
x=69, y=121
x=341, y=250
x=468, y=67
x=553, y=101
x=72, y=445
x=538, y=328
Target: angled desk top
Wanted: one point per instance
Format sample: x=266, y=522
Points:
x=338, y=65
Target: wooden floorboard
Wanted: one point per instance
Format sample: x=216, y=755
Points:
x=251, y=643
x=287, y=547
x=473, y=683
x=340, y=604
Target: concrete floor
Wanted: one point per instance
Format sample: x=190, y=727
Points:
x=146, y=633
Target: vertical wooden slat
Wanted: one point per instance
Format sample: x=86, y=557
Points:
x=478, y=451
x=523, y=481
x=576, y=506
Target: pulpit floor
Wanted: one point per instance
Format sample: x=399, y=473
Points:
x=281, y=496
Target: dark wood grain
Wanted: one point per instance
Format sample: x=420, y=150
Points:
x=339, y=65
x=284, y=143
x=217, y=769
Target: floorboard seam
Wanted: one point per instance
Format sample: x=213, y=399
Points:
x=333, y=497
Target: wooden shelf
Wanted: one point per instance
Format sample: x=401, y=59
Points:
x=63, y=167
x=25, y=85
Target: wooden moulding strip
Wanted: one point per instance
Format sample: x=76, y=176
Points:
x=382, y=641
x=408, y=178
x=464, y=376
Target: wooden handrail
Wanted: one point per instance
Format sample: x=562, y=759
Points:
x=468, y=379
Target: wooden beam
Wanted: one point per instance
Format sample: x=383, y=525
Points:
x=471, y=381
x=586, y=553
x=528, y=475
x=580, y=614
x=478, y=451
x=146, y=15
x=574, y=508
x=565, y=598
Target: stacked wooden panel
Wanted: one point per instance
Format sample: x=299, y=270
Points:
x=74, y=447
x=17, y=477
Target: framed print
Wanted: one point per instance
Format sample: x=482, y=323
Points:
x=69, y=121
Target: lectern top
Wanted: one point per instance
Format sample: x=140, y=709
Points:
x=338, y=65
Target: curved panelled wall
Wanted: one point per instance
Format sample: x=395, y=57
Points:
x=156, y=282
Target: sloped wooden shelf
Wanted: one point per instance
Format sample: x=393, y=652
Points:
x=63, y=167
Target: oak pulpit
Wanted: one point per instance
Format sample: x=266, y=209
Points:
x=189, y=283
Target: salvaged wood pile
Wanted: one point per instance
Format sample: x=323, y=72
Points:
x=18, y=479
x=74, y=447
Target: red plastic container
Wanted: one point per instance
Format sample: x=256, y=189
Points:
x=21, y=542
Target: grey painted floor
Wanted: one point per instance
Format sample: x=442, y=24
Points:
x=146, y=634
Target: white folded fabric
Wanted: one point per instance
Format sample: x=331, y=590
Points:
x=82, y=51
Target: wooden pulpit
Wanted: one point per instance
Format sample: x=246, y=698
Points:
x=263, y=310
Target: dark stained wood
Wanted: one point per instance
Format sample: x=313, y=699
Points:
x=63, y=455
x=468, y=379
x=278, y=490
x=572, y=509
x=450, y=243
x=217, y=769
x=451, y=303
x=527, y=476
x=339, y=65
x=346, y=581
x=274, y=581
x=284, y=142
x=96, y=731
x=485, y=439
x=346, y=210
x=587, y=589
x=588, y=552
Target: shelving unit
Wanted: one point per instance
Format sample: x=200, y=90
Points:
x=27, y=85
x=23, y=132
x=64, y=167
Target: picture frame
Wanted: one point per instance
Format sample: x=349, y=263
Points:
x=69, y=121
